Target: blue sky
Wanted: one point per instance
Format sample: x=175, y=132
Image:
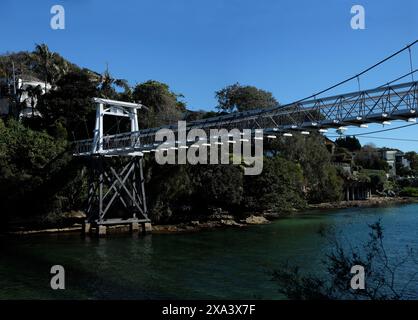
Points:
x=291, y=48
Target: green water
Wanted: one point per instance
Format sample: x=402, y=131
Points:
x=220, y=264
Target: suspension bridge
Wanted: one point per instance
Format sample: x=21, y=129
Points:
x=125, y=183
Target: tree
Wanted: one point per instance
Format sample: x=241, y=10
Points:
x=217, y=186
x=412, y=157
x=34, y=169
x=24, y=63
x=368, y=157
x=377, y=178
x=342, y=155
x=71, y=105
x=320, y=177
x=46, y=57
x=402, y=171
x=381, y=281
x=33, y=93
x=164, y=106
x=200, y=114
x=168, y=188
x=109, y=84
x=242, y=98
x=279, y=187
x=349, y=143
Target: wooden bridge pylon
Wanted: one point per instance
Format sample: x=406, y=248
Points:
x=116, y=191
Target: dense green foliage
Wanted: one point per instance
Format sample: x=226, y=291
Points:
x=41, y=64
x=409, y=192
x=368, y=157
x=37, y=175
x=278, y=188
x=320, y=177
x=242, y=98
x=164, y=106
x=377, y=178
x=69, y=107
x=412, y=157
x=349, y=143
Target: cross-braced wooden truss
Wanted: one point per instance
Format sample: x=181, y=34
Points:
x=116, y=191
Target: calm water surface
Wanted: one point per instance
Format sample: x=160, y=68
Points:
x=214, y=264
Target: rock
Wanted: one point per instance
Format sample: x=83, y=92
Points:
x=165, y=228
x=256, y=220
x=211, y=224
x=74, y=215
x=172, y=228
x=229, y=222
x=221, y=217
x=194, y=223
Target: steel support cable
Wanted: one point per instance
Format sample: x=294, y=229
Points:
x=383, y=130
x=410, y=62
x=397, y=79
x=347, y=80
x=86, y=128
x=381, y=86
x=357, y=75
x=382, y=138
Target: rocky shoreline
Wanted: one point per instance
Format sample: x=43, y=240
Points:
x=221, y=221
x=372, y=202
x=214, y=221
x=225, y=220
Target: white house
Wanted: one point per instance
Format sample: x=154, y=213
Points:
x=22, y=86
x=393, y=157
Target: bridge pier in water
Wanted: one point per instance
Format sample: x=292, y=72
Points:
x=116, y=195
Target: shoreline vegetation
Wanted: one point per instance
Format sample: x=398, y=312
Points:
x=226, y=220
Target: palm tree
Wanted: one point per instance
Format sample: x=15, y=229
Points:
x=107, y=83
x=33, y=93
x=47, y=58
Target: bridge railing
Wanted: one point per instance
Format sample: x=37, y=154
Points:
x=82, y=147
x=119, y=142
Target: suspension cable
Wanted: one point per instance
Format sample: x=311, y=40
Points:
x=383, y=130
x=410, y=62
x=359, y=74
x=397, y=79
x=382, y=138
x=86, y=128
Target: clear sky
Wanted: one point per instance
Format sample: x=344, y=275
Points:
x=291, y=48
